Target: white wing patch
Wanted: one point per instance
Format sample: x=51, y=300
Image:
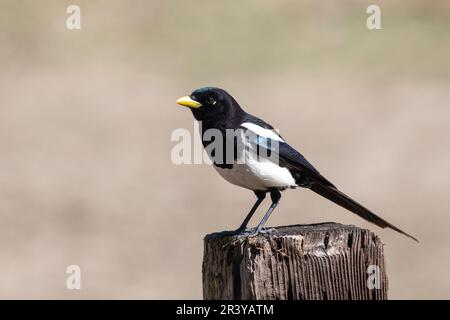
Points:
x=257, y=173
x=263, y=132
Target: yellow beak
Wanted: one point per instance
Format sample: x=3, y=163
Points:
x=188, y=102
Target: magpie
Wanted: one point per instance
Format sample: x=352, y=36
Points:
x=260, y=172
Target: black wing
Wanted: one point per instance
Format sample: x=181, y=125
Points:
x=307, y=176
x=288, y=156
x=301, y=168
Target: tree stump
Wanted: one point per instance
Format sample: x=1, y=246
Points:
x=300, y=262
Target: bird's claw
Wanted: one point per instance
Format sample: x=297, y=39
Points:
x=255, y=232
x=268, y=230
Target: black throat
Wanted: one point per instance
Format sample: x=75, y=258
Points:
x=230, y=116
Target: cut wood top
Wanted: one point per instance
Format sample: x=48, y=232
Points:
x=315, y=261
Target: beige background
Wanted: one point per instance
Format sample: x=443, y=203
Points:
x=86, y=117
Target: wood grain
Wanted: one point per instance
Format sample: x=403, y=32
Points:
x=318, y=261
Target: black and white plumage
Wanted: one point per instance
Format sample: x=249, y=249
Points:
x=217, y=110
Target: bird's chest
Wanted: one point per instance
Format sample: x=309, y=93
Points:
x=257, y=175
x=249, y=170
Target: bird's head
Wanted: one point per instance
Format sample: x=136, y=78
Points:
x=210, y=103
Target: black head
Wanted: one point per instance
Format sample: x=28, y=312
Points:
x=211, y=103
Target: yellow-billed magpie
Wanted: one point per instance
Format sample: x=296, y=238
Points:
x=218, y=111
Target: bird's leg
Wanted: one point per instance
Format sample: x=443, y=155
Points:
x=261, y=195
x=276, y=196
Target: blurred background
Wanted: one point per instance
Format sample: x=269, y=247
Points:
x=86, y=116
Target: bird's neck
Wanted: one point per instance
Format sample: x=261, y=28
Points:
x=223, y=123
x=231, y=119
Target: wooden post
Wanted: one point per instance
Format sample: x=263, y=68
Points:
x=318, y=261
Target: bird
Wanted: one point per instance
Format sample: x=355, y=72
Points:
x=263, y=168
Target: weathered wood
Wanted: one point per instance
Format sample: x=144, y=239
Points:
x=319, y=261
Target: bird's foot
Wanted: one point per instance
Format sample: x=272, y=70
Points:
x=268, y=230
x=256, y=231
x=252, y=232
x=243, y=231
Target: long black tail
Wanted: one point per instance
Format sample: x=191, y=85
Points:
x=343, y=200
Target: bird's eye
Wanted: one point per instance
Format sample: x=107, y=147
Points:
x=211, y=100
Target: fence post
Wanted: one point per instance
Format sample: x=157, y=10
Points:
x=318, y=261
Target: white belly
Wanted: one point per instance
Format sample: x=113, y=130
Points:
x=258, y=175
